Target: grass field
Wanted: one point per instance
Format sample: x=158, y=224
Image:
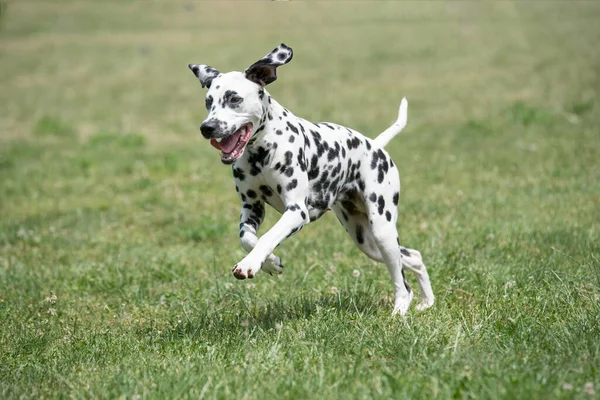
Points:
x=118, y=224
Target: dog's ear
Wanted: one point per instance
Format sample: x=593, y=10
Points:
x=264, y=71
x=204, y=73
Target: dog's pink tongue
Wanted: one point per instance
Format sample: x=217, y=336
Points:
x=228, y=144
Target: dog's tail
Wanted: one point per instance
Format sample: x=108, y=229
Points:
x=384, y=138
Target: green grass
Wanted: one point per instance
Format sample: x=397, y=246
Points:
x=118, y=224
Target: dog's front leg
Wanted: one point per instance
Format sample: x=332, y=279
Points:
x=292, y=220
x=251, y=218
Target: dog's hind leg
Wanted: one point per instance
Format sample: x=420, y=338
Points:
x=376, y=236
x=358, y=228
x=412, y=260
x=251, y=218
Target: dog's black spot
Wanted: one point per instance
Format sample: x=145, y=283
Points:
x=238, y=173
x=380, y=176
x=316, y=135
x=301, y=161
x=395, y=199
x=380, y=205
x=343, y=152
x=231, y=99
x=404, y=251
x=306, y=142
x=208, y=102
x=303, y=215
x=332, y=154
x=353, y=143
x=322, y=183
x=368, y=143
x=374, y=160
x=278, y=188
x=258, y=210
x=251, y=193
x=292, y=139
x=258, y=159
x=336, y=170
x=373, y=197
x=361, y=184
x=278, y=132
x=345, y=216
x=313, y=171
x=242, y=232
x=292, y=127
x=242, y=196
x=405, y=282
x=388, y=216
x=237, y=189
x=292, y=185
x=292, y=207
x=288, y=157
x=247, y=206
x=289, y=172
x=266, y=190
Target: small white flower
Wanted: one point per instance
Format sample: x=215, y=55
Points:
x=356, y=273
x=567, y=386
x=333, y=290
x=52, y=298
x=279, y=326
x=509, y=284
x=589, y=388
x=228, y=285
x=52, y=311
x=331, y=269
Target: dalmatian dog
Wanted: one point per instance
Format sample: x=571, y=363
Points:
x=303, y=169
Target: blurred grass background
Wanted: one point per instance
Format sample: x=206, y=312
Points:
x=118, y=224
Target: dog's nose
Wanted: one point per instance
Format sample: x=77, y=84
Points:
x=209, y=128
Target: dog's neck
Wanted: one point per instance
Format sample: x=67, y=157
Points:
x=272, y=112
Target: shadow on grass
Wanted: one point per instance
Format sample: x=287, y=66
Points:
x=232, y=317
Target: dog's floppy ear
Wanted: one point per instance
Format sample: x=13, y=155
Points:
x=204, y=73
x=264, y=71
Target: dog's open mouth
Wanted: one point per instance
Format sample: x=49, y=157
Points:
x=232, y=147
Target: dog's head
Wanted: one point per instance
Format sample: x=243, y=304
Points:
x=235, y=101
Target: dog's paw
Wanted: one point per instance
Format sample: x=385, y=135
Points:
x=273, y=265
x=424, y=304
x=401, y=304
x=243, y=270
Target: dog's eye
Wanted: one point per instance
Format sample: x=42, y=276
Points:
x=208, y=102
x=235, y=100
